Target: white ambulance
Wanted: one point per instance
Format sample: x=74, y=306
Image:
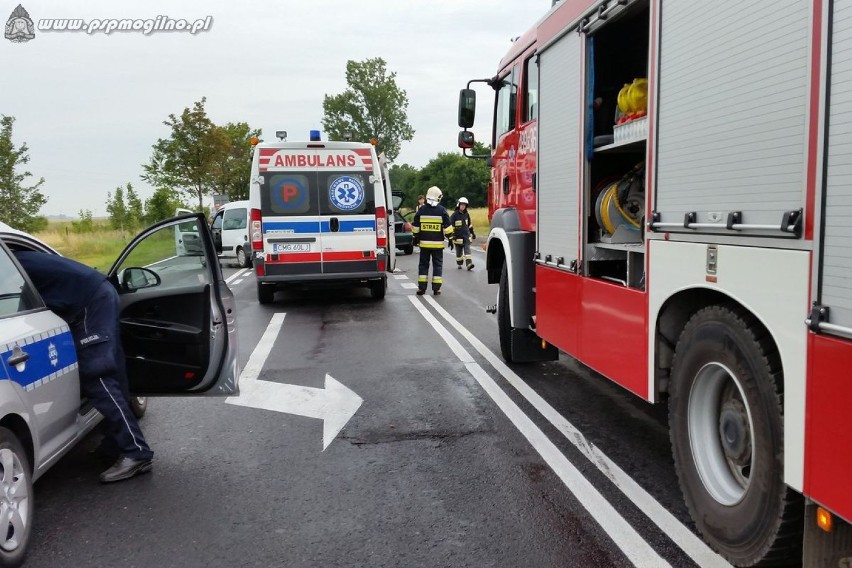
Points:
x=320, y=214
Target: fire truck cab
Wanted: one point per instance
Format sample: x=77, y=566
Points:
x=670, y=203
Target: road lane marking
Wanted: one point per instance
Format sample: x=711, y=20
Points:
x=693, y=546
x=334, y=405
x=235, y=275
x=634, y=547
x=238, y=282
x=409, y=285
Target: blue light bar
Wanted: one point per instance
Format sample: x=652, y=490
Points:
x=315, y=135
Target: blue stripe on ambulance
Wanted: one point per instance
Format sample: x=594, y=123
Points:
x=319, y=226
x=52, y=355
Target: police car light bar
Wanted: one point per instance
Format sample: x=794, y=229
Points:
x=281, y=135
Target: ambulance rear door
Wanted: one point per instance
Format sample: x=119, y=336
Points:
x=290, y=211
x=346, y=182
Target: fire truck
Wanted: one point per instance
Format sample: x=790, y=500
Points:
x=671, y=205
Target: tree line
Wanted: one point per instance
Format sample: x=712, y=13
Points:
x=199, y=158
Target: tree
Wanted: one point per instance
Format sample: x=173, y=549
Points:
x=457, y=176
x=135, y=210
x=234, y=171
x=85, y=224
x=189, y=160
x=372, y=106
x=161, y=205
x=19, y=203
x=404, y=178
x=117, y=209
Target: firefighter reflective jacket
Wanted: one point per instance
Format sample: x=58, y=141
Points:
x=462, y=226
x=431, y=226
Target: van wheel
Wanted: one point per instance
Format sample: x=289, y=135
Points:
x=16, y=499
x=243, y=260
x=726, y=427
x=378, y=288
x=265, y=293
x=139, y=405
x=504, y=324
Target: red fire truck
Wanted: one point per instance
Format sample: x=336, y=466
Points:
x=671, y=205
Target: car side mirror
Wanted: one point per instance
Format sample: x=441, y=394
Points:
x=467, y=107
x=135, y=278
x=466, y=139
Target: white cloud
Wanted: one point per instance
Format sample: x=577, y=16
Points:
x=90, y=107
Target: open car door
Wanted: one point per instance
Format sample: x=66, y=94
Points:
x=391, y=212
x=178, y=318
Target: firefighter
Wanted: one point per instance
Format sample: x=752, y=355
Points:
x=431, y=226
x=462, y=233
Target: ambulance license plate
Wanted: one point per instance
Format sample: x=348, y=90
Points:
x=291, y=247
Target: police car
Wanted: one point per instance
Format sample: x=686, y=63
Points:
x=178, y=323
x=320, y=213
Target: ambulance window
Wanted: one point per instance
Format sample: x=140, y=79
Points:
x=348, y=194
x=15, y=294
x=286, y=194
x=531, y=91
x=234, y=219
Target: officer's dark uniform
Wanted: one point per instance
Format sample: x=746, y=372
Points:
x=431, y=225
x=462, y=234
x=85, y=299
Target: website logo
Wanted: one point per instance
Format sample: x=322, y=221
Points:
x=19, y=26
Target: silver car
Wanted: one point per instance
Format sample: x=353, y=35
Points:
x=178, y=325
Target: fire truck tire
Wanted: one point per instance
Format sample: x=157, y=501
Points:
x=265, y=293
x=726, y=428
x=504, y=324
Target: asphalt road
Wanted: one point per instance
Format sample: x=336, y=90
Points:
x=452, y=459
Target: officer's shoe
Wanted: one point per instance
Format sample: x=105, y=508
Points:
x=469, y=266
x=420, y=292
x=436, y=292
x=125, y=468
x=459, y=267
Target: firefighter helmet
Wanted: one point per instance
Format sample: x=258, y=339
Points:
x=462, y=200
x=434, y=195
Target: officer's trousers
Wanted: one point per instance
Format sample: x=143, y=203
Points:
x=437, y=257
x=103, y=375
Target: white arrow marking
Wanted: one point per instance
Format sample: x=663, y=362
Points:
x=335, y=404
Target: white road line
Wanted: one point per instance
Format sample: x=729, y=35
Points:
x=634, y=547
x=659, y=515
x=409, y=285
x=252, y=369
x=400, y=277
x=238, y=282
x=236, y=275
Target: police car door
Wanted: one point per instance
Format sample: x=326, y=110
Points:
x=38, y=363
x=290, y=211
x=178, y=319
x=347, y=189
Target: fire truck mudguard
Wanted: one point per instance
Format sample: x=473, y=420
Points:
x=725, y=415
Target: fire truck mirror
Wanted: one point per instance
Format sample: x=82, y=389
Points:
x=466, y=139
x=467, y=107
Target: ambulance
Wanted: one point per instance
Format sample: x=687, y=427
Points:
x=320, y=214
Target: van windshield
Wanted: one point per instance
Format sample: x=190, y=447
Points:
x=297, y=194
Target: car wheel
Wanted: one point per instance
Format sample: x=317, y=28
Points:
x=409, y=249
x=16, y=500
x=265, y=293
x=243, y=260
x=726, y=427
x=378, y=288
x=139, y=404
x=504, y=324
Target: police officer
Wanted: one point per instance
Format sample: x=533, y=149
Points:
x=430, y=227
x=462, y=233
x=85, y=299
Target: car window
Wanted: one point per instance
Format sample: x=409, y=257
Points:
x=15, y=294
x=174, y=255
x=235, y=219
x=217, y=222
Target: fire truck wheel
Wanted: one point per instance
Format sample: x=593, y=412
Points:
x=265, y=293
x=725, y=418
x=504, y=324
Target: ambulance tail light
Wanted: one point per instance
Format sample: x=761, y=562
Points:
x=256, y=230
x=381, y=227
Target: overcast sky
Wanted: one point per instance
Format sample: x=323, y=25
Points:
x=91, y=106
